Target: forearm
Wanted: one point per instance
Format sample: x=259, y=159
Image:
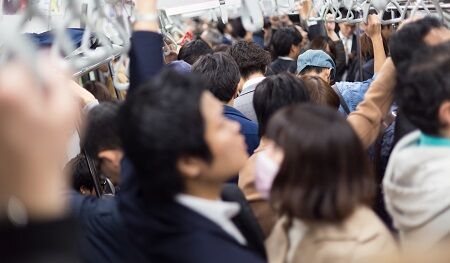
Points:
x=367, y=119
x=378, y=51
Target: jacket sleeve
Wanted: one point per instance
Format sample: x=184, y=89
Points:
x=146, y=57
x=340, y=58
x=369, y=114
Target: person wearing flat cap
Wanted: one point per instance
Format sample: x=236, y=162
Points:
x=320, y=64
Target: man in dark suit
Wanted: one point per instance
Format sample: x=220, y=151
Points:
x=285, y=46
x=349, y=40
x=221, y=73
x=179, y=149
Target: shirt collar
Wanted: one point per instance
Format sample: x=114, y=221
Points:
x=252, y=82
x=286, y=58
x=426, y=140
x=344, y=37
x=217, y=211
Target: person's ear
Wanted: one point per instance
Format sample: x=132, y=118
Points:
x=85, y=191
x=444, y=114
x=190, y=167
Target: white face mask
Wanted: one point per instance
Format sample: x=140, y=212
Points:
x=265, y=172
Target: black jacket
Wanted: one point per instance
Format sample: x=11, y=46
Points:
x=39, y=242
x=282, y=65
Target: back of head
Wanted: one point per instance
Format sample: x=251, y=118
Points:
x=220, y=73
x=81, y=176
x=324, y=165
x=193, y=50
x=410, y=39
x=160, y=123
x=102, y=129
x=283, y=39
x=250, y=58
x=276, y=92
x=424, y=87
x=320, y=92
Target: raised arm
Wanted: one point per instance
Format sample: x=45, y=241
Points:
x=373, y=30
x=146, y=55
x=369, y=114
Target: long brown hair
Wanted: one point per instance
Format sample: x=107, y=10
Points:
x=324, y=175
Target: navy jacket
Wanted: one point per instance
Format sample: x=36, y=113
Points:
x=248, y=128
x=103, y=235
x=169, y=232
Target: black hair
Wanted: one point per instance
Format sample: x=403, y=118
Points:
x=102, y=130
x=79, y=170
x=250, y=58
x=424, y=87
x=160, y=123
x=283, y=39
x=410, y=39
x=193, y=50
x=309, y=69
x=276, y=92
x=220, y=73
x=239, y=31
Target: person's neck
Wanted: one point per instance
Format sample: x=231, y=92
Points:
x=210, y=191
x=254, y=75
x=230, y=103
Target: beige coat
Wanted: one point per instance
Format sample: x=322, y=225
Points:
x=360, y=237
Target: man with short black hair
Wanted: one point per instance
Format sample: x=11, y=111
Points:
x=252, y=61
x=193, y=50
x=416, y=183
x=221, y=73
x=286, y=47
x=179, y=206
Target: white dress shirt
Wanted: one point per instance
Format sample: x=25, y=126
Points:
x=286, y=58
x=348, y=44
x=218, y=211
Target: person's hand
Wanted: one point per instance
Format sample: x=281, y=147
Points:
x=82, y=95
x=330, y=27
x=146, y=6
x=373, y=26
x=304, y=8
x=37, y=118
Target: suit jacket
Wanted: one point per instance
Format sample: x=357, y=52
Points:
x=248, y=128
x=360, y=237
x=282, y=65
x=244, y=103
x=103, y=235
x=43, y=242
x=169, y=232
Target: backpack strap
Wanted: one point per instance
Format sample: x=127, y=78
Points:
x=342, y=101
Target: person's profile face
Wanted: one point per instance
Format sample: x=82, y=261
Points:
x=224, y=140
x=346, y=29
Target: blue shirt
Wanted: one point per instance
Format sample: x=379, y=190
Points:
x=353, y=93
x=248, y=128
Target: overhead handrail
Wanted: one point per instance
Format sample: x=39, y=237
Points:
x=252, y=16
x=223, y=11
